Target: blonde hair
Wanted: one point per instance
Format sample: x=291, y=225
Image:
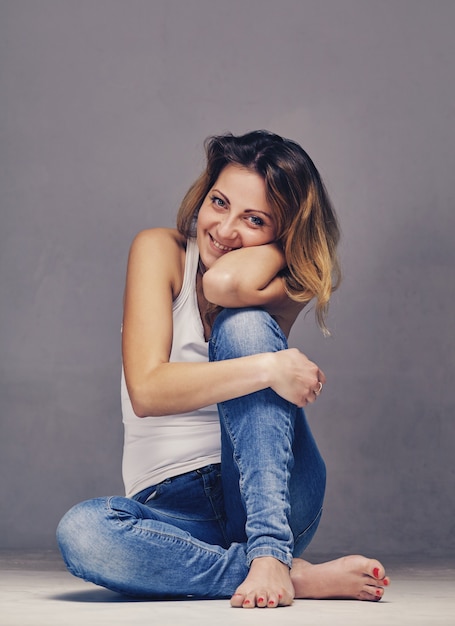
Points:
x=307, y=226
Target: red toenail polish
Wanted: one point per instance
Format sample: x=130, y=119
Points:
x=376, y=572
x=246, y=602
x=279, y=596
x=378, y=592
x=386, y=582
x=260, y=599
x=271, y=602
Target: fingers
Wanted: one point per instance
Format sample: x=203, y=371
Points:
x=316, y=390
x=297, y=379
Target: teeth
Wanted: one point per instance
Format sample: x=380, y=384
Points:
x=220, y=247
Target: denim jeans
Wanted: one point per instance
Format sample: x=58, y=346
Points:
x=196, y=534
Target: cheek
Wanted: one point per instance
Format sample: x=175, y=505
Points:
x=203, y=225
x=203, y=217
x=257, y=238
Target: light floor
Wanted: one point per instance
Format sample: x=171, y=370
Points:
x=35, y=590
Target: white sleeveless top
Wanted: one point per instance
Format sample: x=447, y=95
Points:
x=156, y=448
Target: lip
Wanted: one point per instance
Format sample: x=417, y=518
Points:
x=219, y=246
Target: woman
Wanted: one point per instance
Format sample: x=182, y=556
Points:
x=224, y=482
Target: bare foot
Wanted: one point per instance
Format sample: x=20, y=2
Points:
x=351, y=577
x=268, y=584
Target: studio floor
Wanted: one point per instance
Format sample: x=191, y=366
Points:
x=35, y=590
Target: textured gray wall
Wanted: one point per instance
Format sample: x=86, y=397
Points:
x=104, y=106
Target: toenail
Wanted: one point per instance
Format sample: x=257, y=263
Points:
x=376, y=572
x=386, y=582
x=271, y=602
x=378, y=592
x=246, y=602
x=260, y=599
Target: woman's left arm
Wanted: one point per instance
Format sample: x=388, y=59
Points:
x=247, y=277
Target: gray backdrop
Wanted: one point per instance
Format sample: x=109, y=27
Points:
x=104, y=107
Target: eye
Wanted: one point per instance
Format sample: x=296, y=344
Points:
x=255, y=220
x=219, y=202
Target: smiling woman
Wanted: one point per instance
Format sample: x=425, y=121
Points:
x=280, y=177
x=234, y=214
x=224, y=482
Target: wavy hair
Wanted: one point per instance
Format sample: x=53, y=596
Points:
x=307, y=226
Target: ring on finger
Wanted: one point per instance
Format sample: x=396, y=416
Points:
x=319, y=389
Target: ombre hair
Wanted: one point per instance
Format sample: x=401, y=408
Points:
x=306, y=224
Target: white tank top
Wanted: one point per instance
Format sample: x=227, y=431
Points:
x=156, y=448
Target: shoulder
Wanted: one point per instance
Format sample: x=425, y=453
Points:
x=152, y=239
x=160, y=251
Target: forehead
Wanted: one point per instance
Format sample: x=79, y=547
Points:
x=239, y=183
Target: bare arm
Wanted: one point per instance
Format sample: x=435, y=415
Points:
x=245, y=277
x=158, y=387
x=249, y=277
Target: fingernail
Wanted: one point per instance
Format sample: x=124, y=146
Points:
x=376, y=572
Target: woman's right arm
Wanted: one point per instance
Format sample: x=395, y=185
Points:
x=158, y=387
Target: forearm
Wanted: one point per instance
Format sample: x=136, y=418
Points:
x=172, y=388
x=245, y=277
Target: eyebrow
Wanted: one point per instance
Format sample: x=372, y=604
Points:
x=226, y=199
x=221, y=194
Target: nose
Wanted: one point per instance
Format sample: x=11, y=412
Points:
x=227, y=228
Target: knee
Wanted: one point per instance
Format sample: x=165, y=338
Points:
x=77, y=533
x=241, y=332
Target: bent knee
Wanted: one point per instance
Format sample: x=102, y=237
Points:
x=78, y=533
x=241, y=332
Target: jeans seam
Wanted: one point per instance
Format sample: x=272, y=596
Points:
x=219, y=517
x=165, y=535
x=310, y=525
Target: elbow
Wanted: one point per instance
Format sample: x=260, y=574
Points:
x=139, y=410
x=219, y=287
x=142, y=404
x=229, y=291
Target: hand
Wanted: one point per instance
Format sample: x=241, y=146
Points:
x=295, y=378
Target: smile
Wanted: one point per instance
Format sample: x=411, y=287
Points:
x=219, y=246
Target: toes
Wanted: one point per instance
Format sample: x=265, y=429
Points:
x=249, y=601
x=368, y=596
x=252, y=599
x=371, y=593
x=377, y=571
x=261, y=600
x=274, y=600
x=272, y=603
x=237, y=600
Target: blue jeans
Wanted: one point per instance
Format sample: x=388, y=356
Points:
x=196, y=534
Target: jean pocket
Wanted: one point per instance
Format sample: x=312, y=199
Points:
x=149, y=493
x=152, y=496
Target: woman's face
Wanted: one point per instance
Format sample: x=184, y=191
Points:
x=234, y=214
